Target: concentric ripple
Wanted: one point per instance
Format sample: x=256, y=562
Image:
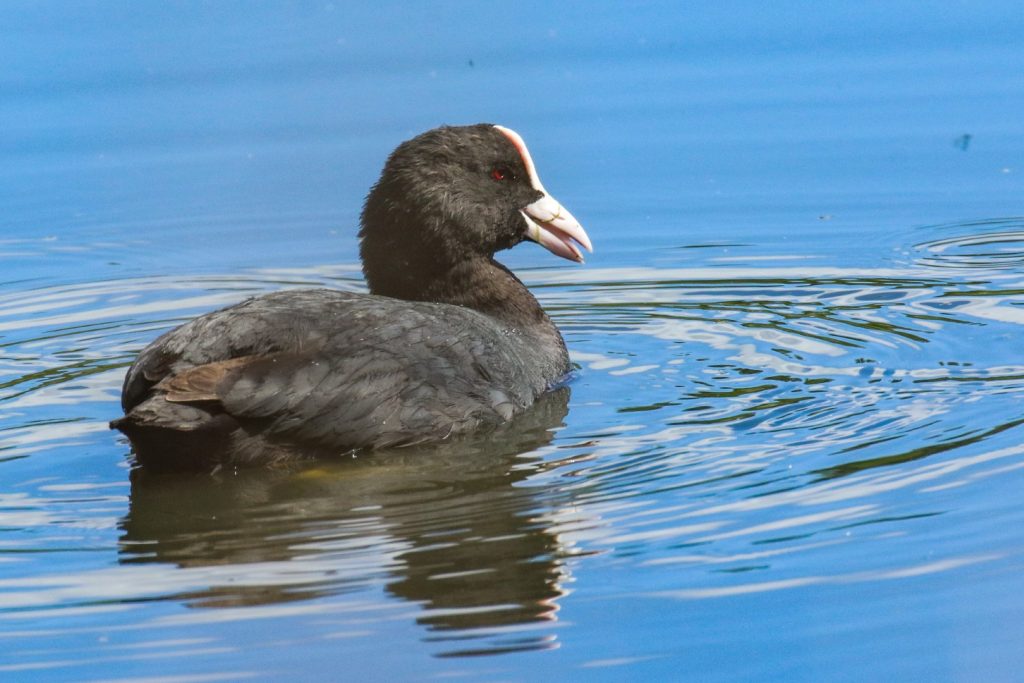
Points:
x=998, y=245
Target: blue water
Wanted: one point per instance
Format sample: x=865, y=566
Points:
x=795, y=446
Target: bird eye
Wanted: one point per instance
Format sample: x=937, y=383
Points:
x=499, y=173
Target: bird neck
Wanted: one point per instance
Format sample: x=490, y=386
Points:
x=486, y=286
x=479, y=283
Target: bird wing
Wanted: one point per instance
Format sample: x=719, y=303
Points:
x=361, y=373
x=263, y=325
x=377, y=398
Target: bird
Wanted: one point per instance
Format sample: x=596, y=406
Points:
x=447, y=342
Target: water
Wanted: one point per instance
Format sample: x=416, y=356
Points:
x=794, y=446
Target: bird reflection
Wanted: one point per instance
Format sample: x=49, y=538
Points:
x=456, y=527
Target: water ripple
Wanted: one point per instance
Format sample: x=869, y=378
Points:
x=977, y=249
x=732, y=431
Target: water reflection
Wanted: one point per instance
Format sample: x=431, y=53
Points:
x=454, y=530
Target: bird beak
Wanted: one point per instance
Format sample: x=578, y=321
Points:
x=550, y=225
x=547, y=222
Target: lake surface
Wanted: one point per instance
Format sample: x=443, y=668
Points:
x=794, y=448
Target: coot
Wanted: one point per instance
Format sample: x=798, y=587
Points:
x=448, y=341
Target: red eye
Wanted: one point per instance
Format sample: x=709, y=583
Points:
x=498, y=173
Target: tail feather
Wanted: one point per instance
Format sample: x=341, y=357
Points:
x=174, y=436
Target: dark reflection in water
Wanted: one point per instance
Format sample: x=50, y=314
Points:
x=461, y=529
x=973, y=437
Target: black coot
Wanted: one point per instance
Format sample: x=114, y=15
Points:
x=448, y=341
